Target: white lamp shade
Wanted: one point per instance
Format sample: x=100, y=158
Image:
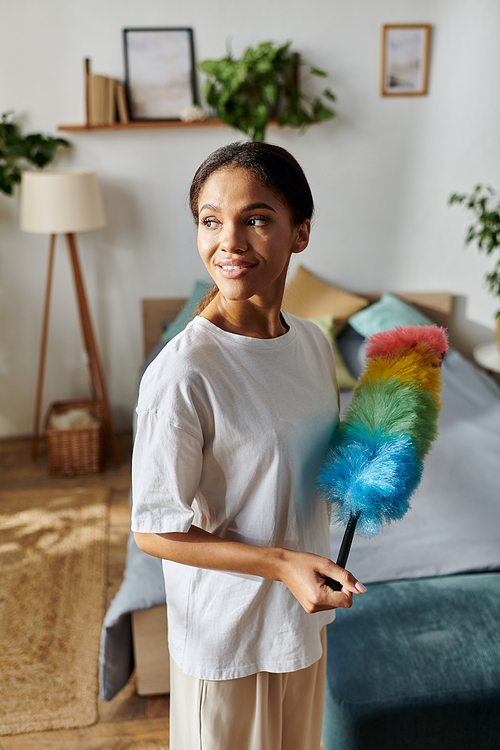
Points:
x=60, y=202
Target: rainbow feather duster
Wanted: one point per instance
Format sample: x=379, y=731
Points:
x=376, y=459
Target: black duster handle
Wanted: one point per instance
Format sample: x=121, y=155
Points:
x=345, y=548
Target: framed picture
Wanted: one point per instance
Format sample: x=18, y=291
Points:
x=405, y=59
x=159, y=72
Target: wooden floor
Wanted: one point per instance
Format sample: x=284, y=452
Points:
x=129, y=721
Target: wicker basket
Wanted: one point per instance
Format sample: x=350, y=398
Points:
x=75, y=451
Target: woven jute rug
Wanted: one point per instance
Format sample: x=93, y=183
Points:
x=53, y=559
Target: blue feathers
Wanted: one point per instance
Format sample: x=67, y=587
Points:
x=371, y=473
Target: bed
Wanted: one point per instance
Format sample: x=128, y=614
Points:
x=417, y=664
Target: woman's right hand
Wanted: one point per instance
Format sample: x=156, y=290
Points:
x=306, y=576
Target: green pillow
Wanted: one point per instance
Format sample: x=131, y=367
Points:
x=344, y=377
x=388, y=312
x=188, y=310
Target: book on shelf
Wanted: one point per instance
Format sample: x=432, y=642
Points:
x=110, y=106
x=107, y=102
x=97, y=99
x=121, y=103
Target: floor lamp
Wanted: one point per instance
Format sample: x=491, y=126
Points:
x=66, y=203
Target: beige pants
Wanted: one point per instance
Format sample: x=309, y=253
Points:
x=261, y=712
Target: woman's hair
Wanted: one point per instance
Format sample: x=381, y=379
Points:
x=275, y=167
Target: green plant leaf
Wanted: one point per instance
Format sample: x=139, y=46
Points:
x=485, y=230
x=321, y=112
x=317, y=72
x=270, y=94
x=35, y=148
x=210, y=67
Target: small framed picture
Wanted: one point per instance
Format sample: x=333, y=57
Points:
x=159, y=72
x=405, y=59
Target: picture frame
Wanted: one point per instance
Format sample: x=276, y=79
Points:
x=159, y=72
x=405, y=59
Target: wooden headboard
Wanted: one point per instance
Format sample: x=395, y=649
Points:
x=156, y=312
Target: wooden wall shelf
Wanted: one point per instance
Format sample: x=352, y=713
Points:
x=140, y=125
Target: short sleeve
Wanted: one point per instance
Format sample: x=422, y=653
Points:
x=166, y=470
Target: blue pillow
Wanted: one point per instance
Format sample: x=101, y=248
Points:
x=188, y=310
x=352, y=348
x=388, y=312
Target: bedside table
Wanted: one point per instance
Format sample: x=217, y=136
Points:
x=487, y=356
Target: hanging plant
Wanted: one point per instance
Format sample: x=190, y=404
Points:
x=15, y=149
x=263, y=85
x=485, y=229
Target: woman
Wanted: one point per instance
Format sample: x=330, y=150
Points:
x=234, y=419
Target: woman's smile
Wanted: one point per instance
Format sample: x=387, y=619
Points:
x=234, y=269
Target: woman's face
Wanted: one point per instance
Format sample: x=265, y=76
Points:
x=246, y=236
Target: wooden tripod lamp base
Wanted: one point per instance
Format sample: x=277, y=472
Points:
x=96, y=374
x=65, y=203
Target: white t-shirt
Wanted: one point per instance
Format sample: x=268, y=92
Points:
x=231, y=432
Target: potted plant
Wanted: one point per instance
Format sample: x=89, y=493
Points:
x=485, y=232
x=263, y=85
x=36, y=149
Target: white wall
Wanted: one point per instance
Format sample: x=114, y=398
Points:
x=381, y=172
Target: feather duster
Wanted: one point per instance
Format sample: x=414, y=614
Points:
x=376, y=459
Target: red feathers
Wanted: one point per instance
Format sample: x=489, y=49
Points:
x=405, y=338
